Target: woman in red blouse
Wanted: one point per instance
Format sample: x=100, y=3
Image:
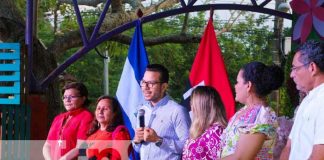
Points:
x=108, y=137
x=69, y=129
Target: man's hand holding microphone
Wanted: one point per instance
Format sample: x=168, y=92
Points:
x=143, y=134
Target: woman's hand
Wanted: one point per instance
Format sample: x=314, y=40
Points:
x=73, y=153
x=47, y=151
x=63, y=158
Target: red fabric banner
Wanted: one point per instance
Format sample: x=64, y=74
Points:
x=208, y=68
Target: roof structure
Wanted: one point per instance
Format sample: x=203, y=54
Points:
x=94, y=40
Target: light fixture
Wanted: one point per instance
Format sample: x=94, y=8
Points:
x=283, y=7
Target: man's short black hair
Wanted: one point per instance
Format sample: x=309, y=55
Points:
x=164, y=73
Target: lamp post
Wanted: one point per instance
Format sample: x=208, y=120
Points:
x=278, y=55
x=277, y=32
x=106, y=73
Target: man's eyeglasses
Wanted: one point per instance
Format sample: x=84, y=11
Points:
x=149, y=84
x=70, y=97
x=295, y=68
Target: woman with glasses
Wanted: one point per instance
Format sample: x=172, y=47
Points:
x=69, y=129
x=207, y=126
x=250, y=133
x=108, y=137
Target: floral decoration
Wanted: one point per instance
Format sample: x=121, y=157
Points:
x=311, y=14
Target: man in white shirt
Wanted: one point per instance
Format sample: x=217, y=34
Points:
x=306, y=139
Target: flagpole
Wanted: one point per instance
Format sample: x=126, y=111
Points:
x=211, y=13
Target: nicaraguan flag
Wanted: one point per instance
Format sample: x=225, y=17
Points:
x=209, y=69
x=129, y=92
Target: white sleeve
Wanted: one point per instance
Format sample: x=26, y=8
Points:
x=319, y=127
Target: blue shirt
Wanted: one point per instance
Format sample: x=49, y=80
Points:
x=170, y=121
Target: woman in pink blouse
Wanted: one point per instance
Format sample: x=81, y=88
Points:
x=207, y=126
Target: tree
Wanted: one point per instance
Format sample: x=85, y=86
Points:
x=54, y=43
x=12, y=29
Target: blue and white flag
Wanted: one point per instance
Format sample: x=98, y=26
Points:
x=129, y=92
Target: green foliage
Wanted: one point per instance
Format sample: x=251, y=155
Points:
x=21, y=5
x=89, y=69
x=287, y=108
x=245, y=43
x=45, y=31
x=69, y=22
x=248, y=40
x=47, y=5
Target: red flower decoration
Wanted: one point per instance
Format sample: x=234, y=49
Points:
x=311, y=14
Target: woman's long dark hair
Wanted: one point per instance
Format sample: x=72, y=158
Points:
x=117, y=119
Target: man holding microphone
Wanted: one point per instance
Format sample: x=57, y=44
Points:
x=166, y=122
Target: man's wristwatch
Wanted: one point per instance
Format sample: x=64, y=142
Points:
x=136, y=142
x=159, y=142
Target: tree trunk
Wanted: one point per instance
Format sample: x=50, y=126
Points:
x=12, y=29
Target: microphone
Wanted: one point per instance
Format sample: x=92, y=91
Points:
x=141, y=114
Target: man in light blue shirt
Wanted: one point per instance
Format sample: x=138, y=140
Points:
x=166, y=122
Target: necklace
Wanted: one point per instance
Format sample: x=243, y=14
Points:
x=63, y=126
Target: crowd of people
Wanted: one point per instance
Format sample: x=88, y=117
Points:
x=169, y=133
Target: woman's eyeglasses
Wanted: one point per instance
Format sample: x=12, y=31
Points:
x=70, y=97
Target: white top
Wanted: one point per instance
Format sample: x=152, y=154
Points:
x=308, y=128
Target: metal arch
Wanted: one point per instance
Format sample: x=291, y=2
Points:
x=93, y=42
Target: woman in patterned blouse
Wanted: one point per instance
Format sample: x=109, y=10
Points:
x=251, y=132
x=207, y=126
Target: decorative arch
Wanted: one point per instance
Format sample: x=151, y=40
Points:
x=93, y=41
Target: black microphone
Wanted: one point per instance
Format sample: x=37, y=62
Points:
x=141, y=114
